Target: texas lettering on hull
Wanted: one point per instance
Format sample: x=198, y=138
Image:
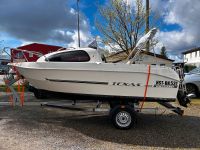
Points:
x=169, y=84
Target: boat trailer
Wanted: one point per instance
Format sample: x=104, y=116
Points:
x=123, y=113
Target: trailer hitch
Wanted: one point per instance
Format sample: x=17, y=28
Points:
x=176, y=110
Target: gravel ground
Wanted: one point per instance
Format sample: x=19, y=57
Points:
x=33, y=127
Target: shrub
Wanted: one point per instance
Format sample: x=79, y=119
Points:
x=188, y=68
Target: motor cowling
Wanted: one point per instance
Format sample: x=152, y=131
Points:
x=183, y=99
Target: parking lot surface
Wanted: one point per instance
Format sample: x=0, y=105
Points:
x=34, y=127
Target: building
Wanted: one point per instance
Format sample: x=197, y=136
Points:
x=144, y=58
x=3, y=65
x=42, y=49
x=192, y=57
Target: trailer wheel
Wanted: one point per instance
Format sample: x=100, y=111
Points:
x=123, y=117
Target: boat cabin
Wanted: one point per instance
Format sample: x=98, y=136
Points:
x=74, y=55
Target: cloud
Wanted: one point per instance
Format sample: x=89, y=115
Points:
x=130, y=3
x=176, y=41
x=40, y=20
x=186, y=15
x=86, y=37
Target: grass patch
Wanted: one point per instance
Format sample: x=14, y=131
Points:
x=195, y=101
x=3, y=88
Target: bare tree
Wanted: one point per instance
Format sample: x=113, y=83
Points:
x=122, y=25
x=163, y=52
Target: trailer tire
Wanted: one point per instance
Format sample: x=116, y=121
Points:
x=123, y=117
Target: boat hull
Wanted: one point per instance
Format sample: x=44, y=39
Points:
x=119, y=80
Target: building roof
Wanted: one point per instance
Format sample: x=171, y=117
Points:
x=191, y=50
x=119, y=56
x=38, y=46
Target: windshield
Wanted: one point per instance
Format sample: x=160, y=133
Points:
x=196, y=70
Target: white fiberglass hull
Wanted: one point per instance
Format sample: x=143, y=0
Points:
x=102, y=79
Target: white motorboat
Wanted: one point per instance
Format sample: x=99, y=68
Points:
x=82, y=72
x=59, y=73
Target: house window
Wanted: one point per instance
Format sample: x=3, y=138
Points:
x=185, y=58
x=70, y=56
x=19, y=55
x=30, y=54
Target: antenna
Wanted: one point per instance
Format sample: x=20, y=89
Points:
x=78, y=21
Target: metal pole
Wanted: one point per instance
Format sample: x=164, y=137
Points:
x=147, y=22
x=79, y=42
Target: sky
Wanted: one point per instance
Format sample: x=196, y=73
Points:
x=54, y=22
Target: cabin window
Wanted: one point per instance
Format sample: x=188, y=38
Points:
x=162, y=64
x=70, y=56
x=195, y=54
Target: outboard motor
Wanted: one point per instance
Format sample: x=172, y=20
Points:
x=183, y=99
x=182, y=96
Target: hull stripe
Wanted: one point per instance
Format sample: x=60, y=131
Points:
x=76, y=81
